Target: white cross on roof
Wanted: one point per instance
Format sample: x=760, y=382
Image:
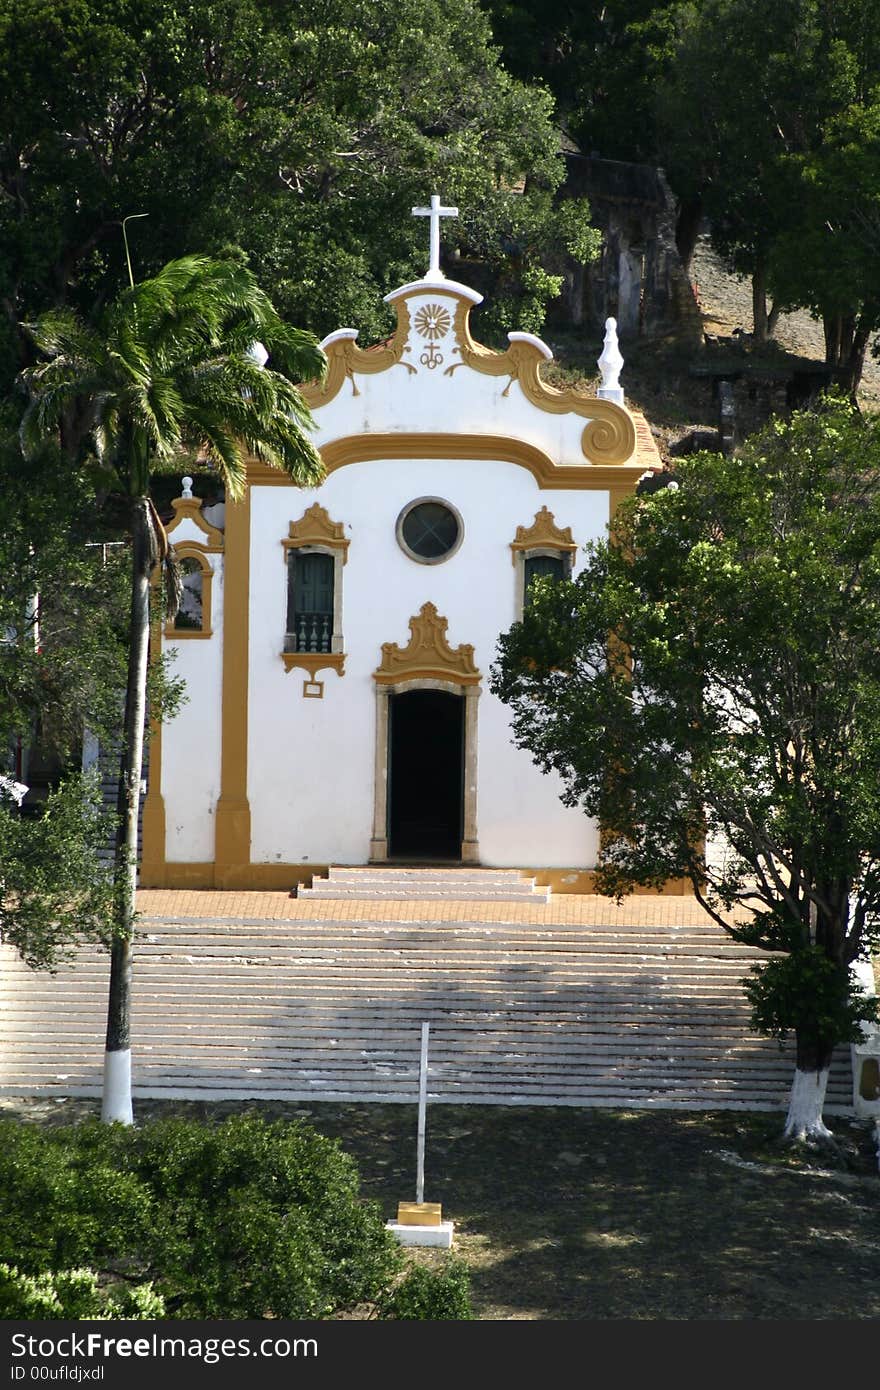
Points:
x=435, y=212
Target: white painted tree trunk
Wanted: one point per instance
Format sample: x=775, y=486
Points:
x=116, y=1103
x=804, y=1119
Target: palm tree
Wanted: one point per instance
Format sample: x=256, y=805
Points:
x=169, y=369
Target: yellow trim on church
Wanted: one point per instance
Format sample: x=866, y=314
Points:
x=313, y=662
x=360, y=448
x=427, y=655
x=190, y=509
x=543, y=533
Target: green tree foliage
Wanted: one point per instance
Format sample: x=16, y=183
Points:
x=709, y=688
x=765, y=119
x=829, y=261
x=72, y=1294
x=740, y=96
x=63, y=619
x=63, y=645
x=303, y=135
x=241, y=1219
x=600, y=61
x=769, y=115
x=54, y=890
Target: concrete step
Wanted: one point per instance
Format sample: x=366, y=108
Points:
x=396, y=873
x=332, y=1009
x=423, y=893
x=151, y=927
x=429, y=884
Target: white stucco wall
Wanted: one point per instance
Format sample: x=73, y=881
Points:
x=190, y=780
x=311, y=762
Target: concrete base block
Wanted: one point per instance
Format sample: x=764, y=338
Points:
x=439, y=1236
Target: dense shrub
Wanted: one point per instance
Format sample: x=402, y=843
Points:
x=70, y=1294
x=68, y=1198
x=442, y=1295
x=242, y=1219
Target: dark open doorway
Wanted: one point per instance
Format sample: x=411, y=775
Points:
x=426, y=781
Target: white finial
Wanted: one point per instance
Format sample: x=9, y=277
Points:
x=187, y=487
x=257, y=353
x=610, y=364
x=435, y=212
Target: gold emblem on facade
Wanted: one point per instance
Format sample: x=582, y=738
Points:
x=432, y=321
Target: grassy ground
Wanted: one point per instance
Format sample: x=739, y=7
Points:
x=563, y=1213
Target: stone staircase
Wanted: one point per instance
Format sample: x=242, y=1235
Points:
x=426, y=884
x=306, y=1009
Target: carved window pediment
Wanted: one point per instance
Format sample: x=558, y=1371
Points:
x=543, y=534
x=315, y=528
x=540, y=549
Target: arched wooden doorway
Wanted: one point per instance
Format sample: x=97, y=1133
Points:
x=425, y=802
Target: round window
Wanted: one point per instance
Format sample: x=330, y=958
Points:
x=429, y=530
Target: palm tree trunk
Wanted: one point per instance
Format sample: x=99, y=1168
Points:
x=117, y=1058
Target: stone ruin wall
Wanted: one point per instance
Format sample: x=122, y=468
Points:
x=639, y=278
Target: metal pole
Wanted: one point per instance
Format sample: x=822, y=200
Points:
x=423, y=1105
x=132, y=217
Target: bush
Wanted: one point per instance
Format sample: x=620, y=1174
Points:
x=807, y=994
x=67, y=1197
x=72, y=1293
x=440, y=1295
x=55, y=892
x=242, y=1219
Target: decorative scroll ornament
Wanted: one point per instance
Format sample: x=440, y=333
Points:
x=428, y=655
x=345, y=360
x=609, y=437
x=543, y=534
x=613, y=436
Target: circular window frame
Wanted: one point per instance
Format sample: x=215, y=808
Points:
x=429, y=559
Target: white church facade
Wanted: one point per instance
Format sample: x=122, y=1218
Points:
x=336, y=660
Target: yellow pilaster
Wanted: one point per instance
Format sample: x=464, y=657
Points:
x=152, y=866
x=232, y=851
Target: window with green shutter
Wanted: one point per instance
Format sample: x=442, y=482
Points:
x=539, y=566
x=309, y=601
